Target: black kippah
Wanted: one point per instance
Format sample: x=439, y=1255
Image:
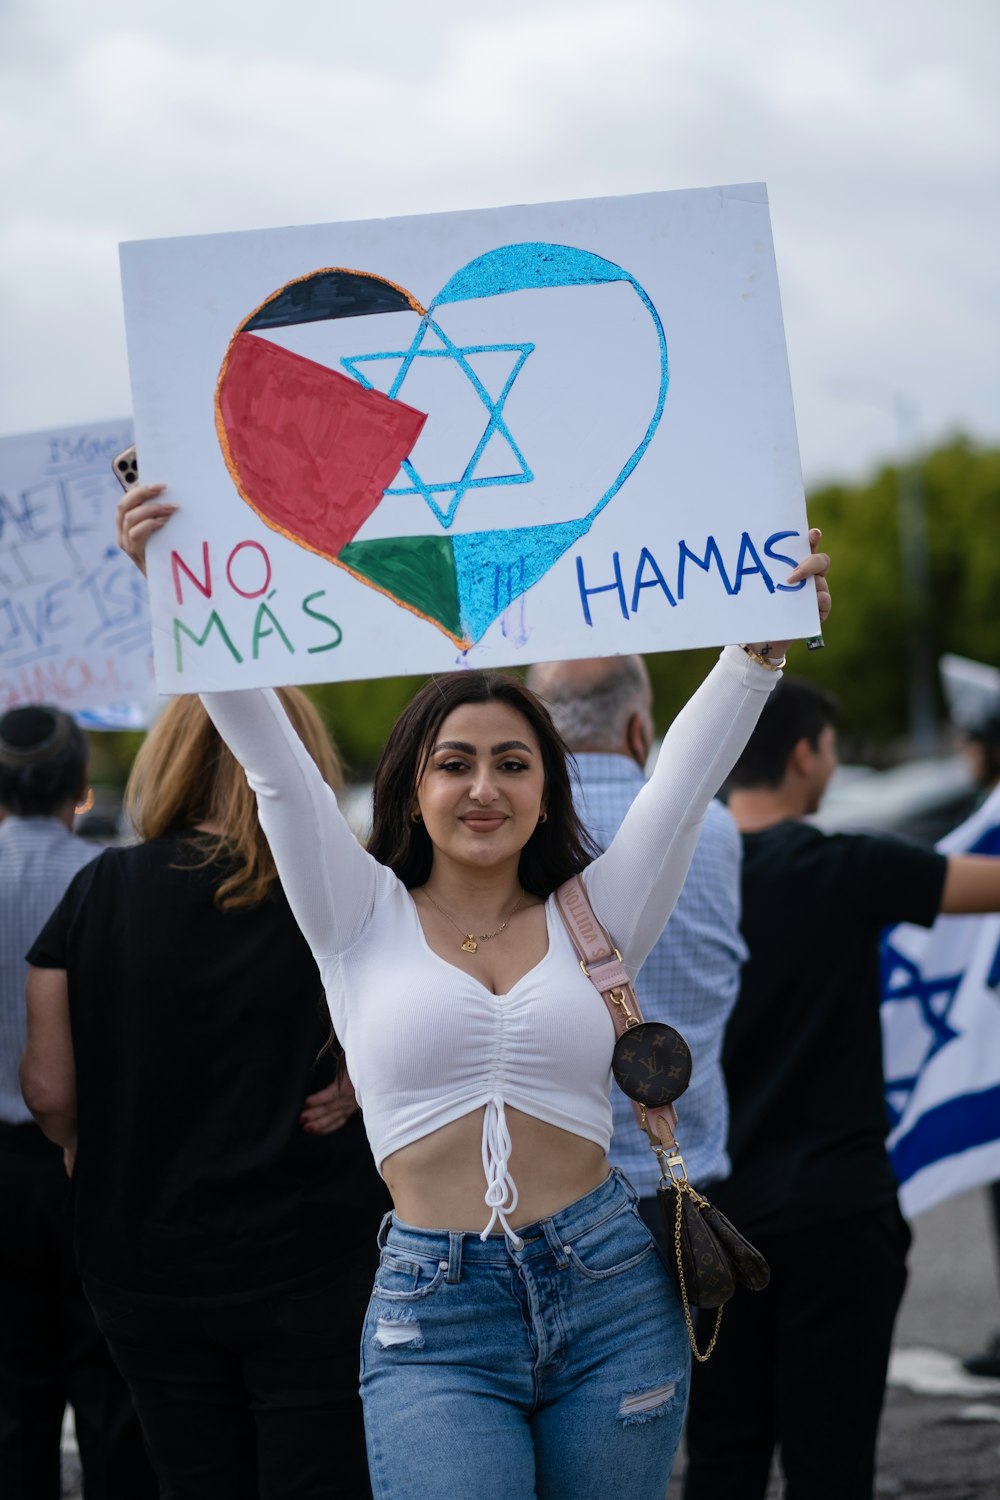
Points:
x=31, y=735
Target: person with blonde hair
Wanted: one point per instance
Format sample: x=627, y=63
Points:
x=226, y=1199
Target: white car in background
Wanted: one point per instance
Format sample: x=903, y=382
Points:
x=922, y=800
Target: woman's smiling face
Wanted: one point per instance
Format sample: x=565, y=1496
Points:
x=483, y=787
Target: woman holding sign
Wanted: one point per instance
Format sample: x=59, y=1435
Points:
x=523, y=1337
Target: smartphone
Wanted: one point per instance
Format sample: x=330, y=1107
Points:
x=126, y=468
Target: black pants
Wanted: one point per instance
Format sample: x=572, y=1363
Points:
x=256, y=1398
x=801, y=1366
x=51, y=1353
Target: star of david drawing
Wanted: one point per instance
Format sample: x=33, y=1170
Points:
x=424, y=347
x=934, y=997
x=313, y=450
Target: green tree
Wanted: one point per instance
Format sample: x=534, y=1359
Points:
x=867, y=655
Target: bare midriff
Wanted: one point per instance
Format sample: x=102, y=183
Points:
x=437, y=1182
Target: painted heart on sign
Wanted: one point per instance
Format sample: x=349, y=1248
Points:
x=314, y=451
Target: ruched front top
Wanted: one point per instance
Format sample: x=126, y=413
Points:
x=426, y=1043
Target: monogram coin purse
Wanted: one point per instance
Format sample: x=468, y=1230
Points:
x=652, y=1063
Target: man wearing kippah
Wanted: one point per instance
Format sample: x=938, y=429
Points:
x=51, y=1353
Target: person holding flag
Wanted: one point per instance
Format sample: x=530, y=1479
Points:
x=802, y=1365
x=941, y=1004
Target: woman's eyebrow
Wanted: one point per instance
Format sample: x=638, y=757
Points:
x=466, y=749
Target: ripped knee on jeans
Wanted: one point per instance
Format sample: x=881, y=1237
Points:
x=642, y=1406
x=398, y=1330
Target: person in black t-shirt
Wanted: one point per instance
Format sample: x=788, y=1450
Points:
x=52, y=1354
x=227, y=1204
x=802, y=1365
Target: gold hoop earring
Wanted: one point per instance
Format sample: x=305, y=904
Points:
x=86, y=805
x=543, y=817
x=416, y=816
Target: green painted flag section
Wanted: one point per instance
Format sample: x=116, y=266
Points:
x=419, y=571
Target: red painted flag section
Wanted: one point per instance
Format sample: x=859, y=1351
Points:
x=309, y=449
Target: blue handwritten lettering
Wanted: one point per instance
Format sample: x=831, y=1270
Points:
x=779, y=557
x=708, y=559
x=711, y=554
x=84, y=448
x=748, y=570
x=603, y=588
x=646, y=559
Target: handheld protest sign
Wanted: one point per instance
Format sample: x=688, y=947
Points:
x=467, y=439
x=74, y=616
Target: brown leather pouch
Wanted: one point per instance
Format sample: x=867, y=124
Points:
x=652, y=1065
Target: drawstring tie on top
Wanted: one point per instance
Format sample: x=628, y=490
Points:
x=501, y=1189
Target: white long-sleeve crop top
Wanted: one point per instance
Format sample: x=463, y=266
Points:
x=426, y=1043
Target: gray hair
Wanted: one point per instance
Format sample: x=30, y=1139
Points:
x=591, y=703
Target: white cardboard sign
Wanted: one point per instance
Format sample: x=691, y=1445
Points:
x=478, y=438
x=74, y=616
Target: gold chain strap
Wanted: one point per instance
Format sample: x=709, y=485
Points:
x=692, y=1339
x=667, y=1152
x=674, y=1172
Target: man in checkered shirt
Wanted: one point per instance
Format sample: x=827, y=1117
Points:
x=603, y=710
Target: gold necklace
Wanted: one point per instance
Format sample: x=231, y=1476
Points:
x=471, y=940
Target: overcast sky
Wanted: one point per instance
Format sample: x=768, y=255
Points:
x=875, y=123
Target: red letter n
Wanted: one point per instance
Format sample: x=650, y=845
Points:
x=203, y=585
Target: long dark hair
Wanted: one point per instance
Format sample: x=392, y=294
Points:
x=558, y=848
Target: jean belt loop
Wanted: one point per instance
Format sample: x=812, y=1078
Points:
x=455, y=1238
x=623, y=1182
x=555, y=1244
x=383, y=1230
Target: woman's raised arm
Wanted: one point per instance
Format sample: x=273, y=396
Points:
x=330, y=882
x=634, y=885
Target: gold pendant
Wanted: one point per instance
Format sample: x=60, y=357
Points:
x=470, y=945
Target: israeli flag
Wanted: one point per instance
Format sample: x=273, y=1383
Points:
x=941, y=1037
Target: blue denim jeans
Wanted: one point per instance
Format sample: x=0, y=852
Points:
x=556, y=1372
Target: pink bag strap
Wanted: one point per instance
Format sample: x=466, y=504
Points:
x=603, y=966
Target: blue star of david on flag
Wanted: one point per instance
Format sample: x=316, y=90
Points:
x=496, y=430
x=941, y=1040
x=932, y=999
